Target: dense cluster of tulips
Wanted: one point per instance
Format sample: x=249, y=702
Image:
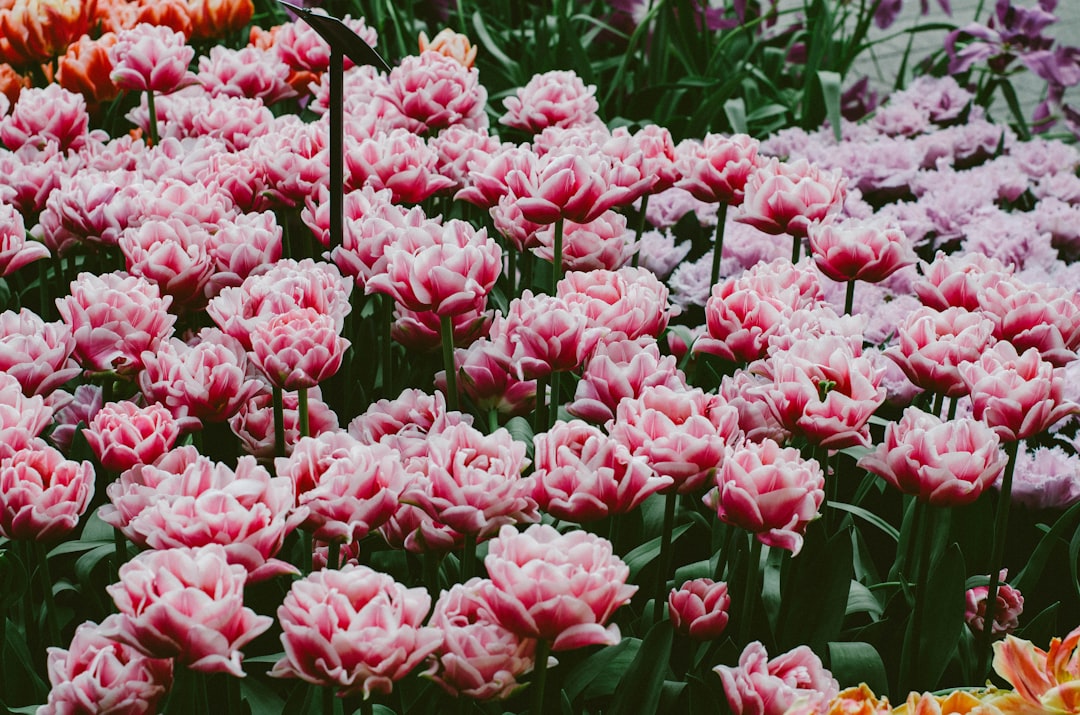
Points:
x=557, y=425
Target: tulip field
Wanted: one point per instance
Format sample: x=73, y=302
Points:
x=610, y=357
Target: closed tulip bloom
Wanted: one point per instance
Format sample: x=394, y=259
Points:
x=186, y=604
x=942, y=463
x=561, y=588
x=759, y=686
x=931, y=345
x=855, y=250
x=355, y=630
x=478, y=658
x=42, y=494
x=490, y=382
x=1018, y=395
x=36, y=353
x=122, y=434
x=770, y=491
x=1010, y=604
x=787, y=198
x=151, y=58
x=73, y=408
x=716, y=169
x=551, y=99
x=699, y=608
x=298, y=349
x=96, y=674
x=582, y=475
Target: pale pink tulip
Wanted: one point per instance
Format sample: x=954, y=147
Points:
x=618, y=369
x=541, y=334
x=716, y=169
x=435, y=91
x=856, y=250
x=1010, y=604
x=478, y=658
x=186, y=604
x=787, y=198
x=70, y=410
x=489, y=381
x=1040, y=316
x=552, y=99
x=253, y=423
x=97, y=674
x=561, y=588
x=758, y=686
x=47, y=115
x=21, y=418
x=297, y=349
x=151, y=58
x=699, y=609
x=353, y=629
x=573, y=187
x=959, y=280
x=930, y=345
x=36, y=353
x=942, y=463
x=605, y=243
x=582, y=475
x=397, y=160
x=15, y=250
x=42, y=495
x=245, y=72
x=630, y=301
x=122, y=434
x=770, y=491
x=405, y=422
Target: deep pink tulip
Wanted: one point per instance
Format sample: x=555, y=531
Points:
x=552, y=99
x=114, y=318
x=122, y=434
x=787, y=198
x=618, y=369
x=473, y=481
x=36, y=353
x=353, y=629
x=42, y=495
x=96, y=674
x=1040, y=316
x=716, y=169
x=151, y=58
x=630, y=301
x=930, y=345
x=298, y=349
x=186, y=604
x=942, y=463
x=573, y=187
x=90, y=207
x=856, y=250
x=435, y=91
x=187, y=500
x=398, y=160
x=1018, y=395
x=650, y=150
x=458, y=147
x=699, y=609
x=486, y=183
x=15, y=250
x=770, y=491
x=756, y=418
x=21, y=418
x=959, y=280
x=199, y=383
x=1010, y=604
x=758, y=686
x=448, y=275
x=582, y=475
x=680, y=433
x=478, y=658
x=561, y=588
x=541, y=334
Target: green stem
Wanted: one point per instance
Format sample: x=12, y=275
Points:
x=328, y=700
x=493, y=420
x=926, y=540
x=1001, y=525
x=51, y=624
x=796, y=249
x=665, y=556
x=386, y=308
x=333, y=554
x=953, y=401
x=120, y=544
x=526, y=270
x=640, y=230
x=553, y=407
x=279, y=423
x=849, y=298
x=152, y=106
x=543, y=648
x=556, y=260
x=750, y=589
x=511, y=270
x=468, y=557
x=446, y=330
x=431, y=572
x=540, y=412
x=935, y=405
x=307, y=549
x=302, y=412
x=718, y=243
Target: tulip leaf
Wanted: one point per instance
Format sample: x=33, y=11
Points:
x=19, y=674
x=869, y=517
x=86, y=563
x=1043, y=627
x=858, y=662
x=815, y=592
x=644, y=555
x=259, y=697
x=598, y=675
x=862, y=600
x=735, y=111
x=943, y=618
x=640, y=689
x=1027, y=579
x=13, y=579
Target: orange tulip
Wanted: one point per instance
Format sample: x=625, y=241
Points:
x=36, y=31
x=86, y=67
x=1045, y=681
x=11, y=83
x=958, y=702
x=216, y=18
x=452, y=44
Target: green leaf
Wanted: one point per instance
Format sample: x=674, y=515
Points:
x=943, y=618
x=599, y=674
x=815, y=592
x=643, y=555
x=86, y=563
x=259, y=696
x=13, y=579
x=78, y=546
x=735, y=111
x=484, y=36
x=870, y=517
x=862, y=600
x=858, y=662
x=830, y=93
x=520, y=429
x=1028, y=578
x=1040, y=629
x=640, y=689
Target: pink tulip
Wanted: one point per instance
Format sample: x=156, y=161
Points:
x=1017, y=395
x=33, y=173
x=582, y=475
x=680, y=433
x=411, y=529
x=941, y=463
x=200, y=383
x=930, y=346
x=15, y=250
x=353, y=629
x=36, y=353
x=173, y=256
x=758, y=686
x=519, y=232
x=42, y=495
x=151, y=58
x=630, y=301
x=405, y=422
x=769, y=491
x=358, y=205
x=434, y=91
x=302, y=48
x=21, y=418
x=541, y=334
x=458, y=147
x=186, y=604
x=421, y=330
x=717, y=168
x=311, y=457
x=46, y=115
x=619, y=369
x=744, y=392
x=551, y=99
x=1010, y=604
x=473, y=482
x=573, y=187
x=114, y=318
x=122, y=434
x=855, y=250
x=787, y=198
x=959, y=280
x=97, y=674
x=253, y=424
x=561, y=588
x=89, y=207
x=187, y=500
x=489, y=381
x=486, y=183
x=604, y=243
x=70, y=410
x=699, y=609
x=245, y=72
x=650, y=151
x=398, y=160
x=1043, y=317
x=297, y=349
